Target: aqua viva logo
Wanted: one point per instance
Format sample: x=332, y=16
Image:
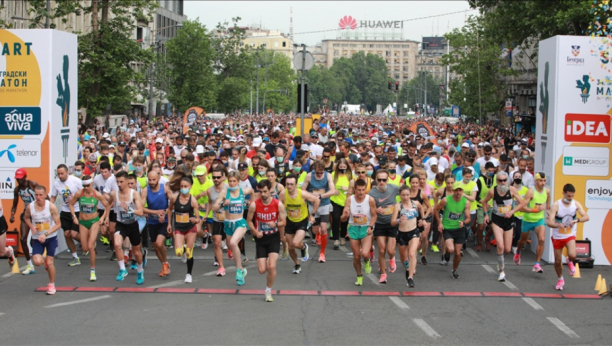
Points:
x=20, y=121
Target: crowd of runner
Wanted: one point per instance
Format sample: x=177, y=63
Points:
x=383, y=185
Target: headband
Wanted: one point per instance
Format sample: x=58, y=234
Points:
x=87, y=182
x=540, y=175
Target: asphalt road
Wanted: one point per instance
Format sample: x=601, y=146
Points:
x=319, y=306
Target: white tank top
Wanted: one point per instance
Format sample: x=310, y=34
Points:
x=125, y=216
x=564, y=216
x=42, y=220
x=360, y=214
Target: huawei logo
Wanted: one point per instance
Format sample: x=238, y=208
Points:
x=347, y=22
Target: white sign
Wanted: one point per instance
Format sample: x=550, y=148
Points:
x=594, y=162
x=7, y=184
x=20, y=153
x=303, y=59
x=598, y=194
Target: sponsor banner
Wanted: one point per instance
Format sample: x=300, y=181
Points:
x=7, y=184
x=594, y=162
x=20, y=121
x=598, y=194
x=587, y=128
x=20, y=153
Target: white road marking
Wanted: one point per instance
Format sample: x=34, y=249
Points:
x=343, y=248
x=426, y=328
x=510, y=285
x=399, y=303
x=472, y=253
x=562, y=327
x=1, y=313
x=488, y=268
x=9, y=273
x=170, y=284
x=214, y=272
x=533, y=304
x=78, y=301
x=374, y=279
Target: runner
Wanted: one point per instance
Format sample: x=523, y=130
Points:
x=232, y=200
x=321, y=184
x=537, y=200
x=517, y=182
x=360, y=213
x=428, y=220
x=67, y=186
x=419, y=195
x=342, y=178
x=563, y=222
x=294, y=200
x=265, y=216
x=385, y=233
x=407, y=214
x=183, y=207
x=99, y=181
x=5, y=250
x=485, y=183
x=44, y=222
x=276, y=190
x=25, y=191
x=89, y=220
x=156, y=196
x=127, y=204
x=440, y=195
x=218, y=218
x=502, y=195
x=201, y=184
x=456, y=214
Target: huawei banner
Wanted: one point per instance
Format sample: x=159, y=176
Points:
x=38, y=107
x=573, y=131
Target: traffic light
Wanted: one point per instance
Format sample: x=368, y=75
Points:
x=396, y=86
x=389, y=85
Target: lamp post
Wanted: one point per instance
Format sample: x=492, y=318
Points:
x=156, y=45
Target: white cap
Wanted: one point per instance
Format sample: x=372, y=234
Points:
x=256, y=142
x=199, y=149
x=465, y=145
x=105, y=135
x=232, y=139
x=159, y=140
x=432, y=161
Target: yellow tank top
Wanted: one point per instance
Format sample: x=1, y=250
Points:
x=397, y=181
x=368, y=184
x=342, y=186
x=296, y=207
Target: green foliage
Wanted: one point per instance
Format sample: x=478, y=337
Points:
x=412, y=93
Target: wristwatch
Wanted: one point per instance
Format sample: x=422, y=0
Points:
x=46, y=233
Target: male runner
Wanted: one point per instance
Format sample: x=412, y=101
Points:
x=99, y=181
x=25, y=191
x=218, y=218
x=298, y=217
x=563, y=222
x=360, y=212
x=156, y=196
x=536, y=201
x=127, y=205
x=385, y=234
x=67, y=185
x=269, y=216
x=454, y=218
x=42, y=219
x=502, y=195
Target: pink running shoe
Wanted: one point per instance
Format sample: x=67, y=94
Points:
x=517, y=259
x=392, y=266
x=383, y=279
x=571, y=267
x=560, y=284
x=537, y=268
x=221, y=272
x=50, y=289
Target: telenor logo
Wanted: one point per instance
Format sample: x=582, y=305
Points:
x=8, y=152
x=587, y=128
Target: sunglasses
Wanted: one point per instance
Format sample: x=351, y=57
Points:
x=381, y=180
x=216, y=177
x=502, y=180
x=319, y=173
x=326, y=156
x=360, y=172
x=88, y=185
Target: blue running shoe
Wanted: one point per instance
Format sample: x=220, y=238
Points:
x=122, y=274
x=140, y=278
x=240, y=274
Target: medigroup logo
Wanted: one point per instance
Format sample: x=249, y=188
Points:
x=22, y=153
x=581, y=162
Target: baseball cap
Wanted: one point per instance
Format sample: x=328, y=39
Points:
x=432, y=161
x=242, y=166
x=159, y=140
x=457, y=185
x=105, y=135
x=200, y=170
x=20, y=173
x=122, y=143
x=257, y=142
x=465, y=145
x=93, y=158
x=199, y=149
x=86, y=137
x=232, y=139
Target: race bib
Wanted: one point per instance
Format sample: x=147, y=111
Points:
x=320, y=191
x=454, y=216
x=126, y=215
x=88, y=209
x=42, y=226
x=504, y=209
x=181, y=217
x=220, y=215
x=264, y=227
x=565, y=230
x=387, y=210
x=360, y=219
x=235, y=208
x=294, y=213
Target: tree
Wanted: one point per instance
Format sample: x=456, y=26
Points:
x=478, y=60
x=412, y=92
x=192, y=81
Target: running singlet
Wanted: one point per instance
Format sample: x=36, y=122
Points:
x=88, y=205
x=296, y=207
x=218, y=216
x=360, y=213
x=501, y=204
x=42, y=220
x=521, y=192
x=236, y=205
x=453, y=213
x=538, y=199
x=27, y=195
x=565, y=215
x=265, y=214
x=125, y=216
x=274, y=192
x=410, y=214
x=182, y=213
x=156, y=201
x=319, y=186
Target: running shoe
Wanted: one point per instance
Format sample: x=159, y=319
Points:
x=560, y=284
x=215, y=264
x=443, y=261
x=435, y=248
x=230, y=255
x=297, y=269
x=410, y=282
x=537, y=268
x=134, y=265
x=204, y=245
x=305, y=255
x=383, y=279
x=240, y=274
x=162, y=273
x=92, y=276
x=85, y=253
x=11, y=256
x=517, y=259
x=140, y=278
x=285, y=255
x=245, y=259
x=455, y=274
x=188, y=279
x=424, y=261
x=223, y=245
x=514, y=248
x=50, y=289
x=198, y=242
x=372, y=257
x=122, y=274
x=367, y=267
x=392, y=265
x=478, y=248
x=322, y=258
x=169, y=243
x=145, y=252
x=221, y=272
x=74, y=262
x=113, y=256
x=104, y=240
x=342, y=241
x=29, y=270
x=571, y=267
x=359, y=281
x=502, y=277
x=269, y=298
x=336, y=244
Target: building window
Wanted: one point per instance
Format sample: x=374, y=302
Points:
x=396, y=68
x=405, y=46
x=406, y=53
x=284, y=44
x=379, y=46
x=345, y=45
x=387, y=46
x=353, y=45
x=405, y=69
x=364, y=46
x=264, y=44
x=387, y=53
x=397, y=61
x=335, y=53
x=276, y=44
x=397, y=76
x=388, y=61
x=336, y=44
x=405, y=76
x=371, y=46
x=396, y=46
x=344, y=52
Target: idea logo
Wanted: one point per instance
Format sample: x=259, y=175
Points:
x=587, y=128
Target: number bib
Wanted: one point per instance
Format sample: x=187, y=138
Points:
x=181, y=217
x=88, y=209
x=502, y=209
x=360, y=219
x=42, y=226
x=454, y=216
x=220, y=215
x=387, y=210
x=294, y=213
x=565, y=230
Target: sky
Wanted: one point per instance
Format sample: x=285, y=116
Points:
x=311, y=16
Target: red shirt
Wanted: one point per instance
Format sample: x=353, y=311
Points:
x=265, y=214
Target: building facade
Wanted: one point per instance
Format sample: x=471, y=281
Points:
x=272, y=40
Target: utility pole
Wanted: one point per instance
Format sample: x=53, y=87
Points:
x=251, y=108
x=302, y=89
x=257, y=97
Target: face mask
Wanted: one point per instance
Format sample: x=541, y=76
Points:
x=466, y=180
x=233, y=188
x=225, y=163
x=262, y=173
x=170, y=167
x=138, y=169
x=369, y=173
x=565, y=200
x=525, y=156
x=78, y=173
x=518, y=181
x=342, y=171
x=383, y=189
x=184, y=191
x=279, y=159
x=297, y=169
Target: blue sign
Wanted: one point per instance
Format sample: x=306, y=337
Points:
x=20, y=121
x=455, y=111
x=509, y=113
